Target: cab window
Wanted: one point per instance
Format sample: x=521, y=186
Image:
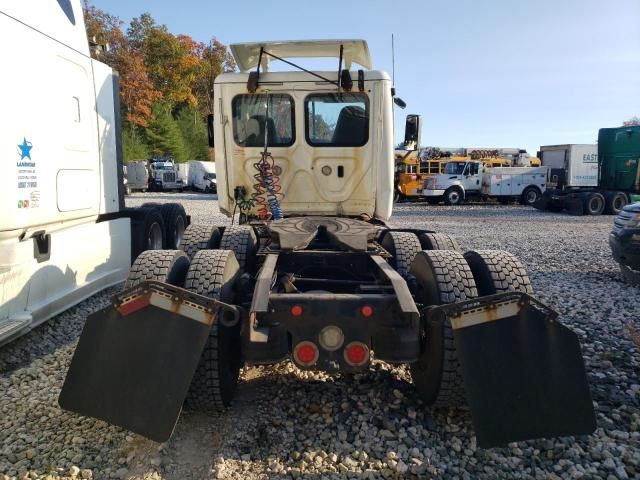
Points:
x=338, y=119
x=253, y=114
x=455, y=168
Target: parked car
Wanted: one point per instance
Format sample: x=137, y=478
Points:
x=624, y=241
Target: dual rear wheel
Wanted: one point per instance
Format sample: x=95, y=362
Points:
x=431, y=263
x=439, y=273
x=201, y=268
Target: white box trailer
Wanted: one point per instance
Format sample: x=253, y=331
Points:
x=183, y=173
x=571, y=165
x=65, y=233
x=137, y=175
x=202, y=176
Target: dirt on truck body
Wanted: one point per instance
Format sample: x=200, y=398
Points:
x=311, y=272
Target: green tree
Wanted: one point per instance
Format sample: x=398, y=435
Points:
x=134, y=146
x=194, y=133
x=163, y=135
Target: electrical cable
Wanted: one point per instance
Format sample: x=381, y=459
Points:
x=267, y=187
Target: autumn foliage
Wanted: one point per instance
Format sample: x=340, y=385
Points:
x=166, y=82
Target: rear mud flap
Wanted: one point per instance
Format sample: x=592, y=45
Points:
x=523, y=371
x=135, y=359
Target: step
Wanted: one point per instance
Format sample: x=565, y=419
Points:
x=9, y=327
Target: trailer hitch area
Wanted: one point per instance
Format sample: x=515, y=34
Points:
x=523, y=371
x=135, y=358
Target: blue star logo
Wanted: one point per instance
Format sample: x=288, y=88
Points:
x=25, y=149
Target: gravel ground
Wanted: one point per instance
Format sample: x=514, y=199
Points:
x=290, y=424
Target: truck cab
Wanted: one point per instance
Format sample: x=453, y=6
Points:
x=65, y=233
x=331, y=149
x=460, y=179
x=163, y=175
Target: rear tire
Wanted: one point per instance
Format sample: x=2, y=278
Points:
x=615, y=202
x=453, y=196
x=168, y=266
x=242, y=240
x=438, y=241
x=175, y=223
x=403, y=246
x=594, y=204
x=200, y=237
x=497, y=271
x=212, y=273
x=147, y=231
x=441, y=277
x=530, y=196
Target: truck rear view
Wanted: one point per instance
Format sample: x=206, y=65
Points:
x=311, y=272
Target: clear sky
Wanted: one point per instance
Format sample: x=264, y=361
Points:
x=494, y=73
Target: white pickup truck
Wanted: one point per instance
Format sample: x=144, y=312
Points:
x=466, y=179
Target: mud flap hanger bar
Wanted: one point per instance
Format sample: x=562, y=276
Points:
x=177, y=300
x=344, y=78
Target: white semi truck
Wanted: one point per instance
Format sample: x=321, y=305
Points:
x=466, y=179
x=313, y=273
x=163, y=175
x=65, y=233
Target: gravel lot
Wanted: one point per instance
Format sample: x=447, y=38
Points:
x=288, y=424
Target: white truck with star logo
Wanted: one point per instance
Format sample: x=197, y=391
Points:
x=64, y=230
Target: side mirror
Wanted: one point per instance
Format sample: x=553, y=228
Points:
x=412, y=132
x=210, y=130
x=399, y=102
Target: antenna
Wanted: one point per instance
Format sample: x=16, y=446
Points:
x=393, y=63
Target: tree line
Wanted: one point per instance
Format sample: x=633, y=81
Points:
x=166, y=83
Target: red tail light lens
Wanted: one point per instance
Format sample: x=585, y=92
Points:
x=366, y=311
x=356, y=354
x=296, y=310
x=305, y=354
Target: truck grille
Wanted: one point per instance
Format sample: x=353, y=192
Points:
x=621, y=221
x=169, y=177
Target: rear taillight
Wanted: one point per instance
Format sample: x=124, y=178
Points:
x=305, y=354
x=297, y=310
x=356, y=354
x=366, y=311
